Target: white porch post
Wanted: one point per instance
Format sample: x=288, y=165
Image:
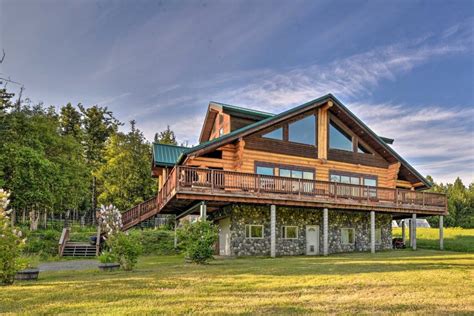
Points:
x=441, y=232
x=413, y=234
x=410, y=231
x=325, y=232
x=175, y=235
x=272, y=231
x=404, y=238
x=203, y=211
x=372, y=231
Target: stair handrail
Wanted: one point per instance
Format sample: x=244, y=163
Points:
x=63, y=240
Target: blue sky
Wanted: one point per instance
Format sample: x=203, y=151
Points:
x=405, y=67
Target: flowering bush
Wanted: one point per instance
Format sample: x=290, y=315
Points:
x=110, y=220
x=198, y=239
x=11, y=243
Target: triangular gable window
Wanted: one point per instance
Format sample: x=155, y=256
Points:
x=338, y=139
x=303, y=131
x=276, y=134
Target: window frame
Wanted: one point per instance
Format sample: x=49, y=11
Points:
x=356, y=140
x=353, y=234
x=362, y=177
x=284, y=232
x=249, y=226
x=315, y=130
x=274, y=130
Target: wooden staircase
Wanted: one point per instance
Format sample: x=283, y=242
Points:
x=139, y=213
x=74, y=249
x=79, y=249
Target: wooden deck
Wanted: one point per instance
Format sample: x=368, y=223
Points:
x=186, y=185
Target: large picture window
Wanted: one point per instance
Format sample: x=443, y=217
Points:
x=265, y=170
x=338, y=139
x=303, y=131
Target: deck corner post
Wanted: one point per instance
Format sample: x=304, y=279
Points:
x=372, y=231
x=175, y=234
x=441, y=232
x=404, y=238
x=413, y=234
x=325, y=231
x=272, y=231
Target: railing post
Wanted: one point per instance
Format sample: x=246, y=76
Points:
x=396, y=196
x=258, y=183
x=212, y=180
x=423, y=196
x=368, y=197
x=299, y=188
x=335, y=190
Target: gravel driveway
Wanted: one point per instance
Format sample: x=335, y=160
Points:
x=69, y=265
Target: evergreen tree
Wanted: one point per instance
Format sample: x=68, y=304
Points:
x=125, y=175
x=166, y=137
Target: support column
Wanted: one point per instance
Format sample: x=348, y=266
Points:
x=325, y=232
x=203, y=211
x=413, y=234
x=441, y=232
x=372, y=231
x=410, y=231
x=175, y=235
x=272, y=231
x=404, y=238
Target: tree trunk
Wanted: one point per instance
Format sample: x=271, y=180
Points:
x=45, y=218
x=13, y=217
x=34, y=218
x=23, y=217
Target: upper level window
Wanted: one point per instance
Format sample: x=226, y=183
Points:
x=276, y=134
x=292, y=173
x=303, y=131
x=338, y=139
x=267, y=171
x=362, y=179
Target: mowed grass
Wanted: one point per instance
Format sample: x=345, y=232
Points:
x=455, y=239
x=404, y=281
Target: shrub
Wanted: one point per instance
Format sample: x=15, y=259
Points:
x=197, y=240
x=125, y=249
x=106, y=257
x=155, y=242
x=11, y=244
x=43, y=243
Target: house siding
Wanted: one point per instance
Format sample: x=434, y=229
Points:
x=246, y=214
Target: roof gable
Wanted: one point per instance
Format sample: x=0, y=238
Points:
x=378, y=143
x=165, y=155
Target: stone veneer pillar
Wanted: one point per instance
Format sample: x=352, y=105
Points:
x=372, y=231
x=325, y=232
x=272, y=231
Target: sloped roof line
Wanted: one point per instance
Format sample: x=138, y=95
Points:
x=166, y=154
x=243, y=109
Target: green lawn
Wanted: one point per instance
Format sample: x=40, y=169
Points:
x=455, y=239
x=405, y=281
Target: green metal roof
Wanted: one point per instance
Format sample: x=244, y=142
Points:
x=250, y=112
x=166, y=155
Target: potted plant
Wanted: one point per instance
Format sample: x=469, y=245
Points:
x=30, y=273
x=107, y=262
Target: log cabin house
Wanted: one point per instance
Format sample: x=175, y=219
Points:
x=311, y=180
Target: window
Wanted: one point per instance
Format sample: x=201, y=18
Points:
x=276, y=134
x=347, y=236
x=378, y=236
x=362, y=179
x=267, y=171
x=290, y=232
x=338, y=139
x=303, y=131
x=254, y=231
x=298, y=174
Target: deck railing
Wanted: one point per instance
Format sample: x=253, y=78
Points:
x=213, y=180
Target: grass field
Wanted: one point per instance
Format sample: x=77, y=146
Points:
x=405, y=281
x=455, y=239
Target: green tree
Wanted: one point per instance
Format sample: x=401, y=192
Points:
x=71, y=121
x=125, y=175
x=166, y=137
